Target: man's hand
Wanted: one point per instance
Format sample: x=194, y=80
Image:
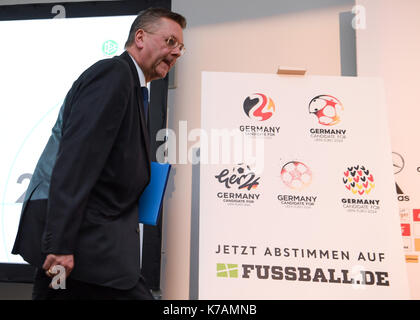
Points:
x=67, y=261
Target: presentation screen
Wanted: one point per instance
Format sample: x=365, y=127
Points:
x=39, y=61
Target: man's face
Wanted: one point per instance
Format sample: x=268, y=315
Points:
x=157, y=56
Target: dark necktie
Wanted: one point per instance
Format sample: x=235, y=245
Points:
x=145, y=93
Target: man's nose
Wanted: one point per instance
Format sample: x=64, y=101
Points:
x=176, y=52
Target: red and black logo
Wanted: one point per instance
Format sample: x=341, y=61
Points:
x=259, y=107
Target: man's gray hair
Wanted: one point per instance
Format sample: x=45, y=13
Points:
x=149, y=17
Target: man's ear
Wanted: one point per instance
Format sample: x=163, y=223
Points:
x=139, y=38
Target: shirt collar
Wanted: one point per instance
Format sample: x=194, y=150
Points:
x=140, y=73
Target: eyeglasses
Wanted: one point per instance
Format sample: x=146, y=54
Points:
x=172, y=43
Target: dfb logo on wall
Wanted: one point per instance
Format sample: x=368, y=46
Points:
x=360, y=181
x=296, y=176
x=259, y=108
x=328, y=112
x=238, y=183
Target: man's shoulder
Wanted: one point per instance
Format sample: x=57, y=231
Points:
x=115, y=67
x=114, y=62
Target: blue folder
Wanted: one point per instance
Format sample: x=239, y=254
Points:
x=151, y=199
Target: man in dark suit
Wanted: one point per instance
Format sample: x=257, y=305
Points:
x=80, y=212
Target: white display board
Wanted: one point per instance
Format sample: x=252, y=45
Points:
x=39, y=61
x=319, y=219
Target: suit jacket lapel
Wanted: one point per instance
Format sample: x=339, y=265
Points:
x=143, y=121
x=142, y=118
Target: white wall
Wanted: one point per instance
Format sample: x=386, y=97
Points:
x=237, y=36
x=389, y=47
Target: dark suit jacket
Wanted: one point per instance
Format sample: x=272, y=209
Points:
x=83, y=195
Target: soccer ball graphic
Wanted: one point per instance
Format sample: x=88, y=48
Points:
x=242, y=169
x=327, y=109
x=296, y=175
x=244, y=176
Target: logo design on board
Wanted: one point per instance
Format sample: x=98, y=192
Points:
x=296, y=175
x=327, y=109
x=241, y=177
x=240, y=184
x=359, y=180
x=259, y=107
x=227, y=270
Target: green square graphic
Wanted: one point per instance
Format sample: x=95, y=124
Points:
x=227, y=270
